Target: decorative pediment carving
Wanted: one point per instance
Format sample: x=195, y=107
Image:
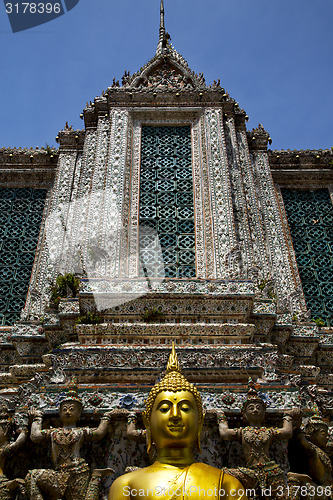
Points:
x=166, y=71
x=164, y=77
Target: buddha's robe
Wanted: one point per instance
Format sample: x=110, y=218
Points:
x=197, y=481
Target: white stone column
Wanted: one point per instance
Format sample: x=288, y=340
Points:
x=52, y=234
x=276, y=246
x=222, y=212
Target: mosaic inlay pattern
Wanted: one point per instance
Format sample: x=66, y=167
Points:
x=167, y=242
x=20, y=216
x=310, y=217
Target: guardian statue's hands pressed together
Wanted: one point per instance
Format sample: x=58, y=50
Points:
x=70, y=478
x=173, y=419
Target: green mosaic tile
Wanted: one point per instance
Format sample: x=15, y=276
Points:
x=21, y=213
x=166, y=203
x=310, y=217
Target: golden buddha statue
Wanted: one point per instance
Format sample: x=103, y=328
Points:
x=173, y=419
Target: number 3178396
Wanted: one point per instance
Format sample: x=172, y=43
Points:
x=33, y=8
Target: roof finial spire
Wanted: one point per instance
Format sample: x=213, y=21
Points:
x=162, y=16
x=163, y=36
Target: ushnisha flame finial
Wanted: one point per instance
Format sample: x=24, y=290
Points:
x=173, y=363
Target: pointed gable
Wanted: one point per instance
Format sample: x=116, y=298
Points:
x=166, y=80
x=167, y=70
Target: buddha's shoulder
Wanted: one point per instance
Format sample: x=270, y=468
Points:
x=122, y=485
x=129, y=477
x=210, y=472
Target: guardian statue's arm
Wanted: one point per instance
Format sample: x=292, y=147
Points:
x=224, y=431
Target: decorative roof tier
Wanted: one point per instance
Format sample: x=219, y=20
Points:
x=165, y=81
x=167, y=70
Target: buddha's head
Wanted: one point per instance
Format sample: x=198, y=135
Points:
x=174, y=413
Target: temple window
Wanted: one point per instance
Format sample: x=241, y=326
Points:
x=166, y=218
x=21, y=213
x=310, y=217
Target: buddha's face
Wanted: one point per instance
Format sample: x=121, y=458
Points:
x=70, y=412
x=255, y=412
x=174, y=421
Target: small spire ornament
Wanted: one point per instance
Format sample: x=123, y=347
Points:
x=72, y=394
x=252, y=396
x=315, y=421
x=163, y=36
x=4, y=414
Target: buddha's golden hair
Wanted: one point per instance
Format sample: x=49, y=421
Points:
x=173, y=381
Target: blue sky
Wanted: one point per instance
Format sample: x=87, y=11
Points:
x=273, y=56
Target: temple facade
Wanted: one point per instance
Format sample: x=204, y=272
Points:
x=170, y=221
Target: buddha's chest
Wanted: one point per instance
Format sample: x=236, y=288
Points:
x=158, y=484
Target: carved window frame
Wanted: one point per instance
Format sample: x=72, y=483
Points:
x=204, y=247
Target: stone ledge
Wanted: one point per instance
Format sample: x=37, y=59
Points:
x=99, y=375
x=70, y=139
x=69, y=307
x=307, y=158
x=169, y=309
x=226, y=396
x=326, y=380
x=306, y=331
x=7, y=379
x=27, y=371
x=302, y=347
x=29, y=157
x=285, y=361
x=132, y=288
x=157, y=333
x=264, y=308
x=93, y=362
x=309, y=373
x=30, y=347
x=280, y=336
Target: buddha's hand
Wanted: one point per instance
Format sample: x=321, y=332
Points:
x=34, y=414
